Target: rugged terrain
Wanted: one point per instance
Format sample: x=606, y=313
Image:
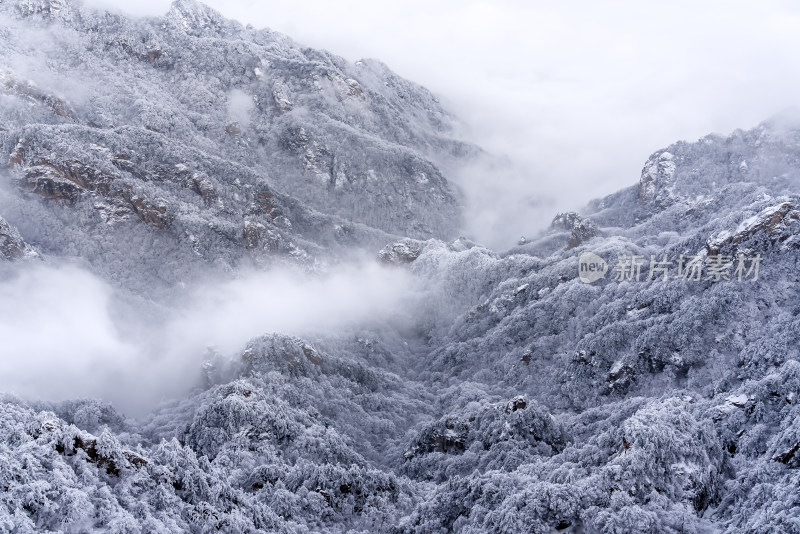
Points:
x=514, y=398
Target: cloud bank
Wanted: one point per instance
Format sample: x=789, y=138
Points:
x=68, y=334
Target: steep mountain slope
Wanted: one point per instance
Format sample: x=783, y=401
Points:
x=513, y=397
x=182, y=136
x=676, y=396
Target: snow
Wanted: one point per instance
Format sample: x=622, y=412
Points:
x=400, y=424
x=737, y=400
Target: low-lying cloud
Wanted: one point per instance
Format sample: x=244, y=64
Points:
x=67, y=334
x=240, y=106
x=57, y=333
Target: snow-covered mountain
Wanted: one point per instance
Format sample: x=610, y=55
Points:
x=194, y=138
x=513, y=397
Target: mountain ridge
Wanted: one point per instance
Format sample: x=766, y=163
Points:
x=258, y=117
x=503, y=394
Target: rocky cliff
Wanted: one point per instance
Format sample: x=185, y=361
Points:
x=511, y=396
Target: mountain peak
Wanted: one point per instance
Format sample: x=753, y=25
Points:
x=42, y=10
x=197, y=18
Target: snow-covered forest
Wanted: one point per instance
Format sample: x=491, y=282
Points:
x=234, y=298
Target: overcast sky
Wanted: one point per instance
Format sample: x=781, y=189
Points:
x=578, y=93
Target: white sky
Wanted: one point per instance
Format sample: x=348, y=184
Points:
x=577, y=93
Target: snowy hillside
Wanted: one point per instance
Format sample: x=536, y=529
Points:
x=239, y=143
x=475, y=391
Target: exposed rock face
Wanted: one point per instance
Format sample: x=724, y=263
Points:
x=405, y=251
x=581, y=230
x=658, y=179
x=775, y=222
x=70, y=181
x=29, y=91
x=12, y=247
x=517, y=403
x=101, y=450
